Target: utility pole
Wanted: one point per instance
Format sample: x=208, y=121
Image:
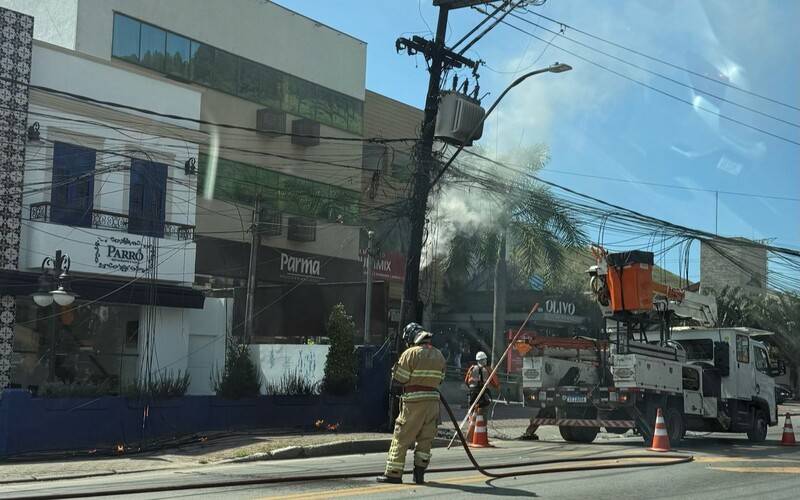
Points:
x=368, y=304
x=439, y=57
x=255, y=243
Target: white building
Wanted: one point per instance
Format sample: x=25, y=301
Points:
x=251, y=64
x=109, y=188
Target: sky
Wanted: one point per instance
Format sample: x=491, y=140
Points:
x=598, y=123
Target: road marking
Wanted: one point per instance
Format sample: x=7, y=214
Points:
x=761, y=470
x=711, y=460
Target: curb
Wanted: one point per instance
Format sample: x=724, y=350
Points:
x=318, y=450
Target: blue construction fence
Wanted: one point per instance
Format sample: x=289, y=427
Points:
x=30, y=424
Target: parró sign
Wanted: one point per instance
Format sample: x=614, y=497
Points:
x=123, y=254
x=300, y=268
x=553, y=306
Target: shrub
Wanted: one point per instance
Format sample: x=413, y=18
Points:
x=341, y=364
x=240, y=378
x=292, y=384
x=74, y=389
x=163, y=385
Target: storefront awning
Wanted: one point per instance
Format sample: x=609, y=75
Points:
x=109, y=290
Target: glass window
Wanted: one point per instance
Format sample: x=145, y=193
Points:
x=742, y=348
x=300, y=98
x=260, y=84
x=355, y=115
x=177, y=58
x=226, y=72
x=762, y=361
x=202, y=63
x=90, y=344
x=698, y=349
x=125, y=44
x=72, y=194
x=691, y=379
x=152, y=47
x=148, y=192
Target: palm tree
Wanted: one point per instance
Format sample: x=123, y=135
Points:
x=529, y=229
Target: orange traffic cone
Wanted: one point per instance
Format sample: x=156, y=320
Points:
x=660, y=437
x=788, y=433
x=471, y=430
x=480, y=438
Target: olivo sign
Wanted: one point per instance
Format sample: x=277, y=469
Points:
x=553, y=306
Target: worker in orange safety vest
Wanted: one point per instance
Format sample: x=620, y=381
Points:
x=475, y=378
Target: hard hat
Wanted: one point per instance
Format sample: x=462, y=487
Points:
x=481, y=356
x=410, y=332
x=423, y=336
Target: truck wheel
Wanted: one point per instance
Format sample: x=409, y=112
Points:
x=676, y=428
x=758, y=432
x=566, y=433
x=578, y=434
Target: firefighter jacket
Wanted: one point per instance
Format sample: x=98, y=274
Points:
x=420, y=370
x=477, y=375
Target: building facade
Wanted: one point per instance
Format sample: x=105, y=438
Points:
x=109, y=188
x=733, y=265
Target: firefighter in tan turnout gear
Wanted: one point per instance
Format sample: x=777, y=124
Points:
x=419, y=371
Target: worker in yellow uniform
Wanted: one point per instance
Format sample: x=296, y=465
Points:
x=419, y=371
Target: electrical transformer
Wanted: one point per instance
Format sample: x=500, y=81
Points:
x=458, y=115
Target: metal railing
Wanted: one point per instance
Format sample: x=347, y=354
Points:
x=102, y=219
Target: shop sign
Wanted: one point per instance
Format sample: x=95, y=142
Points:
x=122, y=254
x=386, y=265
x=553, y=306
x=300, y=268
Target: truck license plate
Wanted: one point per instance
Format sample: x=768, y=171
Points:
x=575, y=398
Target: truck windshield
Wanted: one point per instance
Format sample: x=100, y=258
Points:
x=698, y=349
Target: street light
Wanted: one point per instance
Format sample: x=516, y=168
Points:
x=555, y=68
x=55, y=272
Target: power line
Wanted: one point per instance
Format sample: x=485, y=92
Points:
x=662, y=61
x=655, y=73
x=671, y=186
x=650, y=87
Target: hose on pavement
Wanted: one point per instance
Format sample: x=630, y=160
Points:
x=573, y=465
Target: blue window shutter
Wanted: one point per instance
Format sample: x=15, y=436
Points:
x=147, y=201
x=72, y=194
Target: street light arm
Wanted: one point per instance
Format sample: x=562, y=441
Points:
x=556, y=68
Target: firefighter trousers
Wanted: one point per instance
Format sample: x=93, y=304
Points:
x=416, y=423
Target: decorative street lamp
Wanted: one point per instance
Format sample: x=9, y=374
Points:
x=54, y=290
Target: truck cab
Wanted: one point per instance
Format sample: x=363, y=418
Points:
x=727, y=370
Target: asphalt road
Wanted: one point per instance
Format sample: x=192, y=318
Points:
x=725, y=467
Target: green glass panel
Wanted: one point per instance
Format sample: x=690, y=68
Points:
x=355, y=115
x=125, y=44
x=300, y=98
x=226, y=72
x=260, y=84
x=152, y=47
x=177, y=59
x=202, y=63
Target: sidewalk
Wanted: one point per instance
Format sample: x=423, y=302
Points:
x=217, y=448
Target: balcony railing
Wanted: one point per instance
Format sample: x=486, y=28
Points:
x=102, y=219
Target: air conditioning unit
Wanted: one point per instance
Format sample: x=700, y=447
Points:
x=302, y=229
x=306, y=132
x=270, y=122
x=270, y=222
x=458, y=115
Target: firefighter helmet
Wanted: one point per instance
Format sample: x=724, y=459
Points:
x=414, y=333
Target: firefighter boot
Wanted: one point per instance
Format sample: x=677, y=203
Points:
x=392, y=480
x=419, y=475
